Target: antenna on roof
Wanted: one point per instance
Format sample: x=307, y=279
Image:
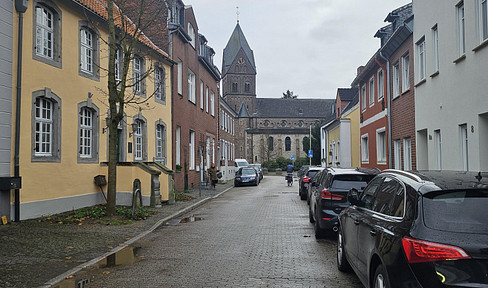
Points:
x=237, y=13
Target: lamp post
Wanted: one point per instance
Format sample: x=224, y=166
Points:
x=310, y=144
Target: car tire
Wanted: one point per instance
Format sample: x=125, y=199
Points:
x=380, y=278
x=310, y=216
x=303, y=196
x=342, y=263
x=319, y=233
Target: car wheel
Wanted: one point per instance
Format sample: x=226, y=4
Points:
x=235, y=184
x=303, y=196
x=319, y=233
x=310, y=215
x=380, y=278
x=342, y=263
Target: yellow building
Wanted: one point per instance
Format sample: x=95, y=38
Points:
x=64, y=106
x=340, y=136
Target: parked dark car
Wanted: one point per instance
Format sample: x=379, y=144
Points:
x=417, y=229
x=302, y=170
x=304, y=181
x=315, y=179
x=330, y=196
x=246, y=176
x=259, y=169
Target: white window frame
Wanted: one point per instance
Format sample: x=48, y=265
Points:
x=44, y=109
x=137, y=74
x=180, y=76
x=396, y=79
x=421, y=59
x=201, y=95
x=435, y=48
x=191, y=86
x=191, y=33
x=405, y=73
x=159, y=84
x=212, y=103
x=86, y=133
x=364, y=149
x=407, y=153
x=139, y=141
x=86, y=50
x=438, y=149
x=371, y=91
x=363, y=98
x=381, y=146
x=463, y=131
x=461, y=27
x=381, y=86
x=117, y=65
x=45, y=33
x=160, y=141
x=191, y=150
x=483, y=20
x=397, y=144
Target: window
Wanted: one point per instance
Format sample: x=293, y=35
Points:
x=118, y=60
x=234, y=87
x=435, y=48
x=398, y=154
x=160, y=84
x=364, y=149
x=381, y=146
x=46, y=126
x=381, y=90
x=178, y=145
x=161, y=140
x=88, y=132
x=396, y=80
x=206, y=99
x=461, y=29
x=371, y=91
x=247, y=87
x=212, y=103
x=287, y=144
x=464, y=146
x=438, y=149
x=406, y=73
x=421, y=59
x=191, y=33
x=270, y=143
x=363, y=97
x=86, y=50
x=191, y=87
x=138, y=69
x=47, y=36
x=191, y=147
x=369, y=194
x=407, y=154
x=180, y=77
x=483, y=19
x=201, y=95
x=138, y=141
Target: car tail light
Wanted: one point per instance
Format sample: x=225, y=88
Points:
x=418, y=251
x=305, y=179
x=329, y=196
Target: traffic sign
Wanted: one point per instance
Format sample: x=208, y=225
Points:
x=292, y=157
x=310, y=153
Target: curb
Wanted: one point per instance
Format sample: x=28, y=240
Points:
x=89, y=263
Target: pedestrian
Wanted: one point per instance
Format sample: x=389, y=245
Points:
x=212, y=174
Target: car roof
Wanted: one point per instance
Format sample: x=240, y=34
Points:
x=316, y=168
x=358, y=171
x=427, y=181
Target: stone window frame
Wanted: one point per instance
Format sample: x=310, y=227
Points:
x=139, y=83
x=160, y=98
x=164, y=139
x=56, y=60
x=141, y=119
x=55, y=156
x=95, y=132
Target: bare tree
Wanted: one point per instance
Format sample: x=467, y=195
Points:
x=289, y=95
x=127, y=23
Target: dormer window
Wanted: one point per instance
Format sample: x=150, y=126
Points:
x=191, y=33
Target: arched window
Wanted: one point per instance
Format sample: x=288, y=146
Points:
x=161, y=141
x=287, y=144
x=87, y=132
x=270, y=143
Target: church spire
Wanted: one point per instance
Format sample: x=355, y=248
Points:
x=237, y=13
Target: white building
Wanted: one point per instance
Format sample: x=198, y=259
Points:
x=451, y=87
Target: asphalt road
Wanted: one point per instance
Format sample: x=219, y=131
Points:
x=248, y=237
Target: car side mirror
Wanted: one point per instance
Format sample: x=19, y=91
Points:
x=353, y=196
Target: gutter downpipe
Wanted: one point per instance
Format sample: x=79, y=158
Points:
x=20, y=9
x=388, y=107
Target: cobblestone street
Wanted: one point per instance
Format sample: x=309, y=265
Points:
x=248, y=237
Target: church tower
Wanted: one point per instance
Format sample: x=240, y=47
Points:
x=239, y=73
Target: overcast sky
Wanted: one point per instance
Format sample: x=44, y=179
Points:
x=311, y=47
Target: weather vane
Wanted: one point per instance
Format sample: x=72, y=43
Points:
x=237, y=12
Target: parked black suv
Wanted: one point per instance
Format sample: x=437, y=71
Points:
x=304, y=181
x=329, y=196
x=417, y=229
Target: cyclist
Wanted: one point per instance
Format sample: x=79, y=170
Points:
x=289, y=171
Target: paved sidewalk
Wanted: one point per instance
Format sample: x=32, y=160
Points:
x=42, y=254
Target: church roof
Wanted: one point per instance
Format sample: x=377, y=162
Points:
x=236, y=42
x=243, y=112
x=293, y=108
x=347, y=94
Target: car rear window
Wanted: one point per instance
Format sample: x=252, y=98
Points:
x=311, y=173
x=248, y=172
x=457, y=211
x=347, y=182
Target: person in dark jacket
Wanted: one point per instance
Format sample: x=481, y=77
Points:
x=212, y=174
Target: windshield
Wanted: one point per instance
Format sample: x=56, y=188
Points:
x=248, y=172
x=458, y=210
